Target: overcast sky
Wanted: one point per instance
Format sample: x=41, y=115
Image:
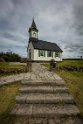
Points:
x=59, y=21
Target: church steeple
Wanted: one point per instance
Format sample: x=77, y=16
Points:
x=33, y=31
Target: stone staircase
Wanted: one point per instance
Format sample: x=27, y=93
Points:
x=45, y=102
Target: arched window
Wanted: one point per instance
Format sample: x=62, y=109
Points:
x=34, y=34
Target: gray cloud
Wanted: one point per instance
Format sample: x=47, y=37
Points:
x=59, y=21
x=78, y=14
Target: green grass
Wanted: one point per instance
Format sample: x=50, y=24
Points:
x=7, y=101
x=7, y=68
x=77, y=63
x=9, y=65
x=74, y=80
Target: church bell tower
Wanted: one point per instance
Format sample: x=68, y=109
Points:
x=33, y=31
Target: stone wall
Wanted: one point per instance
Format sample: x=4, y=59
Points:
x=12, y=71
x=70, y=68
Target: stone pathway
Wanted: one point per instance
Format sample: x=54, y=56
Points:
x=44, y=99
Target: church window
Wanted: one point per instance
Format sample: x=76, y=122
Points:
x=49, y=54
x=41, y=53
x=34, y=34
x=57, y=54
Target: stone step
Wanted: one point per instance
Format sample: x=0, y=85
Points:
x=43, y=89
x=45, y=83
x=44, y=98
x=55, y=120
x=45, y=110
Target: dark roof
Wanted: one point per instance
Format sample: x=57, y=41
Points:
x=33, y=26
x=44, y=45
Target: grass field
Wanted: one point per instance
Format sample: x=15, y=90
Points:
x=77, y=63
x=74, y=80
x=7, y=68
x=11, y=65
x=7, y=101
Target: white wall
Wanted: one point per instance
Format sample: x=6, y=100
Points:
x=32, y=51
x=36, y=57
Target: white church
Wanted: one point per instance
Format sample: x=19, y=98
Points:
x=39, y=50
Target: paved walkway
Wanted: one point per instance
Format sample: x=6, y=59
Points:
x=44, y=99
x=37, y=75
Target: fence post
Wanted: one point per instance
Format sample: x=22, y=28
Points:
x=29, y=65
x=52, y=65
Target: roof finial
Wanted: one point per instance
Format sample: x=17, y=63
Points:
x=33, y=24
